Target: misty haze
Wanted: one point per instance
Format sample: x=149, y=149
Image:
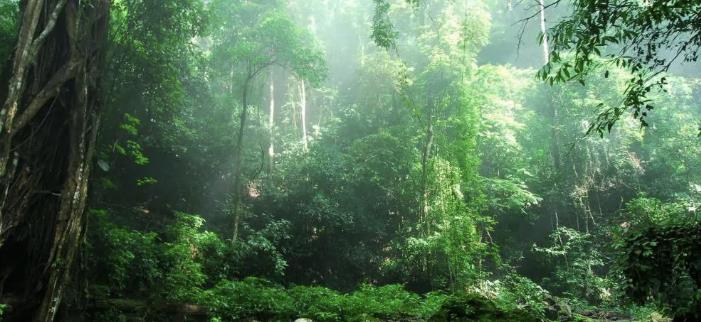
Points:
x=350, y=160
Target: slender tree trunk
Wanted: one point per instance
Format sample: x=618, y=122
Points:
x=554, y=112
x=425, y=157
x=554, y=127
x=292, y=88
x=238, y=159
x=543, y=29
x=271, y=124
x=49, y=124
x=303, y=114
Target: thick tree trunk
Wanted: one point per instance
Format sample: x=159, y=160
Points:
x=49, y=123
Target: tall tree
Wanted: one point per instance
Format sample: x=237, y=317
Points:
x=251, y=39
x=49, y=122
x=303, y=114
x=271, y=122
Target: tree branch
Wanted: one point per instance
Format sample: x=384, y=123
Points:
x=50, y=90
x=36, y=44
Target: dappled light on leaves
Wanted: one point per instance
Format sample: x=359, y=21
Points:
x=349, y=160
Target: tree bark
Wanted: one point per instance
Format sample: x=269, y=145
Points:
x=238, y=159
x=546, y=48
x=303, y=114
x=554, y=112
x=271, y=124
x=424, y=222
x=49, y=123
x=425, y=158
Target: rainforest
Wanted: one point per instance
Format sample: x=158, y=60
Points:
x=350, y=160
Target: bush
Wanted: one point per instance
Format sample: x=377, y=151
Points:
x=470, y=306
x=579, y=267
x=254, y=298
x=318, y=303
x=663, y=262
x=384, y=302
x=250, y=298
x=133, y=263
x=122, y=258
x=177, y=265
x=520, y=293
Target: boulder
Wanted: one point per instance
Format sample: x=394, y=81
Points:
x=556, y=309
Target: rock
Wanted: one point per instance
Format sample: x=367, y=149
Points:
x=557, y=309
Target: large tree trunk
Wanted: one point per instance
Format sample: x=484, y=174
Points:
x=49, y=122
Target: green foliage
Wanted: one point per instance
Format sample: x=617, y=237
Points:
x=474, y=307
x=450, y=227
x=645, y=211
x=175, y=265
x=383, y=32
x=151, y=64
x=425, y=167
x=183, y=276
x=660, y=261
x=9, y=14
x=262, y=300
x=576, y=260
x=257, y=36
x=509, y=194
x=368, y=303
x=261, y=249
x=647, y=313
x=390, y=302
x=318, y=303
x=170, y=267
x=145, y=181
x=250, y=298
x=625, y=33
x=125, y=258
x=520, y=293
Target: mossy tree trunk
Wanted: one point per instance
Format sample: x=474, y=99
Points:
x=49, y=121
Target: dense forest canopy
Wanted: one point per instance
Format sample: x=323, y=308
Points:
x=350, y=160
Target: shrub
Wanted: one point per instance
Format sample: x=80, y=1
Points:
x=254, y=298
x=520, y=293
x=124, y=259
x=250, y=298
x=318, y=303
x=470, y=306
x=181, y=260
x=663, y=262
x=140, y=264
